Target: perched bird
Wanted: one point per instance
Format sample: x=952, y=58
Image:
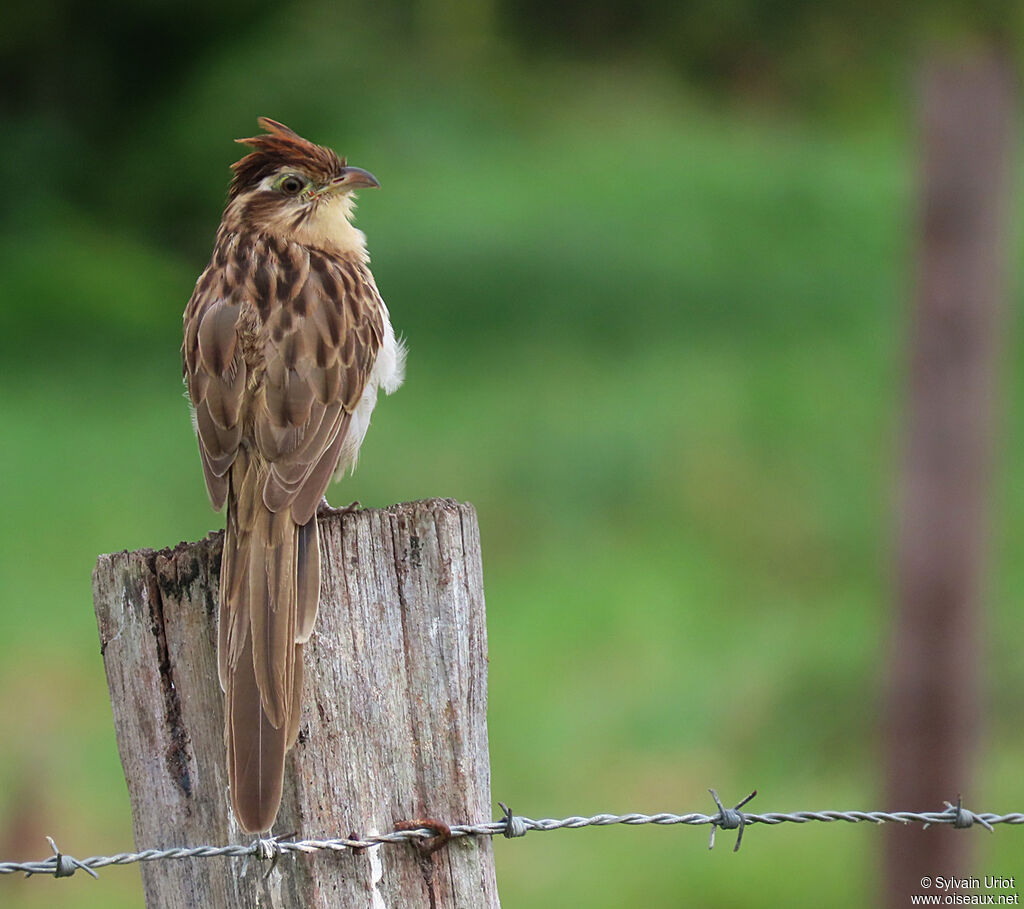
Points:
x=287, y=342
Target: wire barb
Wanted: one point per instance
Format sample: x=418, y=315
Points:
x=271, y=848
x=514, y=826
x=963, y=818
x=62, y=865
x=729, y=819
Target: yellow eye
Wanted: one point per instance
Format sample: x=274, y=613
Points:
x=291, y=184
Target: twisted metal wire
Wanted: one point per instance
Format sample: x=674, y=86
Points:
x=510, y=825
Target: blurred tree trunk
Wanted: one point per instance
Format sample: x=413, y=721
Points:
x=934, y=693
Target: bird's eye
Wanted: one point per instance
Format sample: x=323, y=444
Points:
x=291, y=185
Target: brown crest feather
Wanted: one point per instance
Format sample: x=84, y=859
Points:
x=282, y=147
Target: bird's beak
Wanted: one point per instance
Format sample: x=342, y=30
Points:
x=353, y=178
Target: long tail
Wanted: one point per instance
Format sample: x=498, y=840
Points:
x=269, y=594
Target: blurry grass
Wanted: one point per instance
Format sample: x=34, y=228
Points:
x=659, y=353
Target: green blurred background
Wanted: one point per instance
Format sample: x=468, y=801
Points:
x=652, y=265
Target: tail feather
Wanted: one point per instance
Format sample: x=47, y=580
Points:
x=307, y=590
x=256, y=750
x=272, y=583
x=270, y=586
x=296, y=715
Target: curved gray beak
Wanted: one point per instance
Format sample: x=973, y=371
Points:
x=353, y=178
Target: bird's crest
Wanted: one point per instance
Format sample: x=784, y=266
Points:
x=281, y=146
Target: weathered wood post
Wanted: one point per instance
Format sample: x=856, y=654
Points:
x=393, y=721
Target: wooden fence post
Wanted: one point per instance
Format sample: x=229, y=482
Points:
x=393, y=721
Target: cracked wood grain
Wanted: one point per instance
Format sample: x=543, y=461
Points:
x=393, y=724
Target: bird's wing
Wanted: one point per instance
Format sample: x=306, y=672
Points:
x=216, y=374
x=320, y=344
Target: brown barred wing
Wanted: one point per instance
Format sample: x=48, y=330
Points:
x=319, y=349
x=216, y=374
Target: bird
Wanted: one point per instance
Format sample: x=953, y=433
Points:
x=287, y=342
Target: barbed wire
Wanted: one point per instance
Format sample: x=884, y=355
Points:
x=429, y=834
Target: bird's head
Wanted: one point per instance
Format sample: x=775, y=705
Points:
x=295, y=189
